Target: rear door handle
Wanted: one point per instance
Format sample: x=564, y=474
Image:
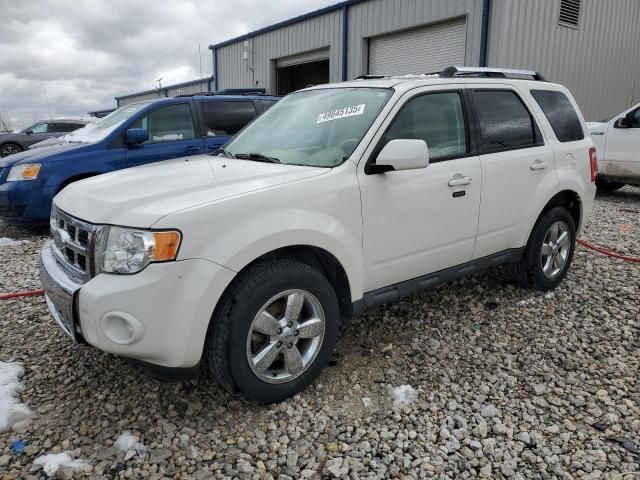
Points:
x=459, y=180
x=539, y=164
x=192, y=149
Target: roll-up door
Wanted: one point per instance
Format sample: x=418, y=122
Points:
x=420, y=50
x=305, y=57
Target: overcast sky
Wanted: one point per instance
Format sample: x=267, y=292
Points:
x=84, y=53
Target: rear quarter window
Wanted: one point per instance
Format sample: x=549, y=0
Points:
x=560, y=113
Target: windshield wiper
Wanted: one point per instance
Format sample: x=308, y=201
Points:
x=257, y=157
x=224, y=152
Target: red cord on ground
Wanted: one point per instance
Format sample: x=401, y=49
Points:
x=586, y=244
x=32, y=293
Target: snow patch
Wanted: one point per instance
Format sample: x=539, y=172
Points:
x=54, y=461
x=404, y=395
x=126, y=442
x=9, y=242
x=12, y=413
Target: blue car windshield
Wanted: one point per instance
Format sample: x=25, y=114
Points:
x=96, y=132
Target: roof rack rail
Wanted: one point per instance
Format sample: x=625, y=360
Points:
x=228, y=91
x=490, y=72
x=370, y=77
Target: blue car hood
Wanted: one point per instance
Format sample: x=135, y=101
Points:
x=41, y=154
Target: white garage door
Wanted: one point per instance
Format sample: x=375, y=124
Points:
x=422, y=50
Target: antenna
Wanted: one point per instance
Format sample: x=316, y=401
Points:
x=159, y=80
x=47, y=100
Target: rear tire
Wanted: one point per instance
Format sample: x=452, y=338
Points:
x=10, y=149
x=608, y=186
x=549, y=252
x=264, y=343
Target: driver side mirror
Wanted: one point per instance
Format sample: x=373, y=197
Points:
x=135, y=136
x=401, y=154
x=623, y=122
x=29, y=132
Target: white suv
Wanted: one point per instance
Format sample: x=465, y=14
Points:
x=338, y=198
x=618, y=145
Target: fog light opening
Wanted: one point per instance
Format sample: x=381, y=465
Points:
x=121, y=328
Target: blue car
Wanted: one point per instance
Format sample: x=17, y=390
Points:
x=135, y=134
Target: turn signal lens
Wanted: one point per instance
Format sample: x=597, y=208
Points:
x=166, y=245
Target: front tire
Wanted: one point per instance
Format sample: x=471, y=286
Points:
x=549, y=252
x=273, y=331
x=10, y=149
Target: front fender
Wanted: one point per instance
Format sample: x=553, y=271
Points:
x=322, y=212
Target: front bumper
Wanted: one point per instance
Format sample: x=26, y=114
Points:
x=159, y=316
x=25, y=203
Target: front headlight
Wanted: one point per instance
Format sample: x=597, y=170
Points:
x=127, y=251
x=27, y=171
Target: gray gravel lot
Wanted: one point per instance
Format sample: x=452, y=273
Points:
x=511, y=383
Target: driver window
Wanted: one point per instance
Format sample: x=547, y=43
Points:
x=436, y=118
x=168, y=124
x=42, y=128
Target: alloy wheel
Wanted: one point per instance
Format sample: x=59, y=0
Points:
x=555, y=249
x=285, y=336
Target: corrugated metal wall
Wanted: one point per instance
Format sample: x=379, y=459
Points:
x=197, y=86
x=377, y=17
x=312, y=34
x=599, y=62
x=138, y=98
x=366, y=19
x=200, y=86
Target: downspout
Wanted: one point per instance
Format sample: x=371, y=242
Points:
x=345, y=41
x=484, y=32
x=215, y=69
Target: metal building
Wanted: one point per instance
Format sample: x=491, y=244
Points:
x=591, y=46
x=185, y=88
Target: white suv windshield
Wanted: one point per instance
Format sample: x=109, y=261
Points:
x=96, y=132
x=319, y=128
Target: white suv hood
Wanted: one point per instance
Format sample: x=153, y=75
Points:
x=138, y=197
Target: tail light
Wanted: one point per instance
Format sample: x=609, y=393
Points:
x=593, y=162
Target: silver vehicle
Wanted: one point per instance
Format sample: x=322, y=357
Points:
x=19, y=140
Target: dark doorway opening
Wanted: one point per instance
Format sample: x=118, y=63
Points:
x=295, y=77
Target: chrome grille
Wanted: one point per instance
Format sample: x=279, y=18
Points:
x=73, y=244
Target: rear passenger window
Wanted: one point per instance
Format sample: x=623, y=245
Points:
x=436, y=118
x=560, y=113
x=505, y=122
x=66, y=127
x=226, y=118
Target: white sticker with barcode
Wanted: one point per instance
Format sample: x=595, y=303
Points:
x=341, y=113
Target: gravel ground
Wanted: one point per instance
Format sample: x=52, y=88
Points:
x=510, y=383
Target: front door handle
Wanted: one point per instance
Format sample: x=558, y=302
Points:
x=459, y=180
x=192, y=149
x=539, y=164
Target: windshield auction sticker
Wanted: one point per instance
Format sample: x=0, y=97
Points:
x=341, y=113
